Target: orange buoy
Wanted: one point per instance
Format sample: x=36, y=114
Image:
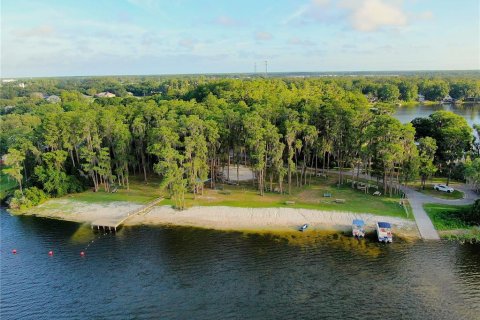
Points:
x=14, y=251
x=50, y=253
x=82, y=254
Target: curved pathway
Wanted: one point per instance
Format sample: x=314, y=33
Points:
x=418, y=199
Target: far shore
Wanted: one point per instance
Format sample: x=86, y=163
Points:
x=221, y=217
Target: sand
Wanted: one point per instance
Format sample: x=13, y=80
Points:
x=266, y=219
x=219, y=217
x=83, y=212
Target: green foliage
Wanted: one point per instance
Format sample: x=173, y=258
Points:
x=31, y=197
x=188, y=130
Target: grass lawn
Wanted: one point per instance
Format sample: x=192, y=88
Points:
x=307, y=197
x=457, y=194
x=139, y=192
x=446, y=217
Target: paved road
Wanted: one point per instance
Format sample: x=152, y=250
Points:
x=417, y=200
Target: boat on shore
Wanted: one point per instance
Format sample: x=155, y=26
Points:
x=384, y=232
x=303, y=228
x=358, y=228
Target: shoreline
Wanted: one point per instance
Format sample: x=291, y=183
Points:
x=223, y=218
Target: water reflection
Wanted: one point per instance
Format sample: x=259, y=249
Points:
x=188, y=273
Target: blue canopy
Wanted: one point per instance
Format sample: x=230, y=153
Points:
x=358, y=222
x=384, y=225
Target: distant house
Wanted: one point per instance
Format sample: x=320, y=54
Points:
x=105, y=95
x=421, y=98
x=3, y=159
x=8, y=80
x=371, y=98
x=21, y=85
x=448, y=99
x=37, y=95
x=53, y=99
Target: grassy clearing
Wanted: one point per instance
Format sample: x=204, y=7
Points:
x=139, y=192
x=447, y=217
x=307, y=197
x=457, y=194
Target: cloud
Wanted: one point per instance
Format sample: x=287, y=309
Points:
x=226, y=21
x=188, y=43
x=300, y=42
x=39, y=31
x=370, y=15
x=263, y=36
x=361, y=15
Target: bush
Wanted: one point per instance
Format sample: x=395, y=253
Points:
x=474, y=215
x=31, y=197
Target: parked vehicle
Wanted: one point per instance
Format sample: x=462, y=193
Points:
x=358, y=228
x=443, y=188
x=384, y=232
x=303, y=228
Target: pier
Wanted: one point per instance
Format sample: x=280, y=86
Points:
x=112, y=224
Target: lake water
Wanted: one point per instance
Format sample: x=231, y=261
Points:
x=185, y=273
x=471, y=112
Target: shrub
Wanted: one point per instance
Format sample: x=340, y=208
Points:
x=31, y=197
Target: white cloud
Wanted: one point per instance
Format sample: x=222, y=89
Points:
x=370, y=15
x=188, y=43
x=263, y=36
x=300, y=42
x=226, y=21
x=39, y=31
x=361, y=15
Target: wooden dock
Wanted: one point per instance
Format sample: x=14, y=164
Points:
x=112, y=224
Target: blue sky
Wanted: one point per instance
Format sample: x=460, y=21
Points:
x=62, y=38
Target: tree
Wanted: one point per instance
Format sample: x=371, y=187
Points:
x=388, y=93
x=452, y=134
x=472, y=173
x=408, y=90
x=426, y=150
x=13, y=162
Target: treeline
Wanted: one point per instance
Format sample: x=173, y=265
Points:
x=383, y=89
x=285, y=130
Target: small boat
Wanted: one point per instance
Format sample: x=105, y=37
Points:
x=302, y=228
x=384, y=232
x=358, y=228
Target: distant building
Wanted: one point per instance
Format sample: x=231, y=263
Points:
x=21, y=85
x=53, y=99
x=448, y=99
x=37, y=95
x=105, y=95
x=8, y=80
x=421, y=98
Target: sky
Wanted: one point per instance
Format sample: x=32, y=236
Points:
x=117, y=37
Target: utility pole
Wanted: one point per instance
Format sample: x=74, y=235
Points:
x=266, y=68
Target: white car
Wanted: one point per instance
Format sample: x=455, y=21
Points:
x=444, y=188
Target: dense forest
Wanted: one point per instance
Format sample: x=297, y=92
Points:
x=187, y=129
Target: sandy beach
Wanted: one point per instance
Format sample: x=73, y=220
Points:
x=82, y=212
x=266, y=219
x=218, y=217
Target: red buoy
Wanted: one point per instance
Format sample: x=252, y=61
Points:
x=14, y=251
x=50, y=253
x=82, y=254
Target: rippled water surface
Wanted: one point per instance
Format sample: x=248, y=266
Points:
x=183, y=273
